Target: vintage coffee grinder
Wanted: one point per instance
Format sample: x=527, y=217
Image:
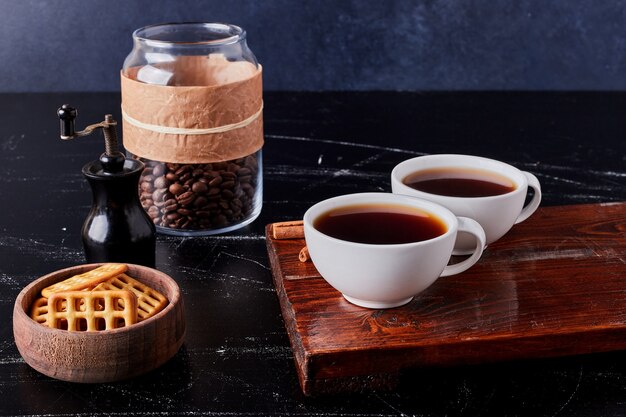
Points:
x=117, y=229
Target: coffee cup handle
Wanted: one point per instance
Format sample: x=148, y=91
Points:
x=527, y=211
x=470, y=226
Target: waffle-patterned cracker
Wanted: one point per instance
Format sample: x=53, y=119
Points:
x=39, y=310
x=149, y=301
x=87, y=279
x=91, y=310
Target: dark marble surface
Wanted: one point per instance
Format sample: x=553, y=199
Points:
x=236, y=359
x=80, y=45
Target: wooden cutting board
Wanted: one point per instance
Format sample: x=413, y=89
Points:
x=555, y=285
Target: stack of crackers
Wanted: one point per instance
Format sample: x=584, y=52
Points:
x=104, y=298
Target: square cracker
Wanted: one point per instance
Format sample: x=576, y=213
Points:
x=91, y=310
x=87, y=279
x=149, y=301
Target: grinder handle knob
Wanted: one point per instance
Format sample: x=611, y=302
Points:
x=67, y=116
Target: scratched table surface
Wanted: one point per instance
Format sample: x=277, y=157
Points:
x=236, y=359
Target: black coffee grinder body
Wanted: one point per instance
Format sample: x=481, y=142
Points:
x=117, y=229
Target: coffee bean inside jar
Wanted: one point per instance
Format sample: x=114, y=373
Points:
x=196, y=199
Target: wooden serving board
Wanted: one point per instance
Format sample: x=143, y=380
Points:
x=555, y=285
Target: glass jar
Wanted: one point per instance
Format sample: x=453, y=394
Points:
x=192, y=110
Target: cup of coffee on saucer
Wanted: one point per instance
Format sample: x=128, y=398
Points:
x=489, y=191
x=380, y=249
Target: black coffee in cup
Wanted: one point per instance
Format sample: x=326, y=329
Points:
x=380, y=224
x=459, y=182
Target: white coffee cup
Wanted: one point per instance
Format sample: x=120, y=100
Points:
x=496, y=214
x=387, y=275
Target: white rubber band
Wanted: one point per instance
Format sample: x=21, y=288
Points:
x=185, y=131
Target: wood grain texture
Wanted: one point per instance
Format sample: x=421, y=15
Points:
x=555, y=285
x=113, y=355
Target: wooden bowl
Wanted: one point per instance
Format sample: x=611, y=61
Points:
x=104, y=356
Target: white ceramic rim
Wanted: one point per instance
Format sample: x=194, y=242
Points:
x=450, y=220
x=409, y=166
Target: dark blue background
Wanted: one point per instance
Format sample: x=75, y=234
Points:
x=80, y=45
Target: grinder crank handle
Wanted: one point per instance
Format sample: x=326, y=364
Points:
x=112, y=159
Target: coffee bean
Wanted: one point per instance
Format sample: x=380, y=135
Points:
x=215, y=181
x=200, y=202
x=186, y=198
x=183, y=169
x=203, y=214
x=221, y=220
x=173, y=216
x=248, y=189
x=176, y=189
x=250, y=161
x=185, y=176
x=199, y=196
x=146, y=186
x=169, y=206
x=158, y=194
x=158, y=170
x=199, y=187
x=243, y=171
x=161, y=182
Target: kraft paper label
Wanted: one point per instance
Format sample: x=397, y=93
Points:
x=223, y=95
